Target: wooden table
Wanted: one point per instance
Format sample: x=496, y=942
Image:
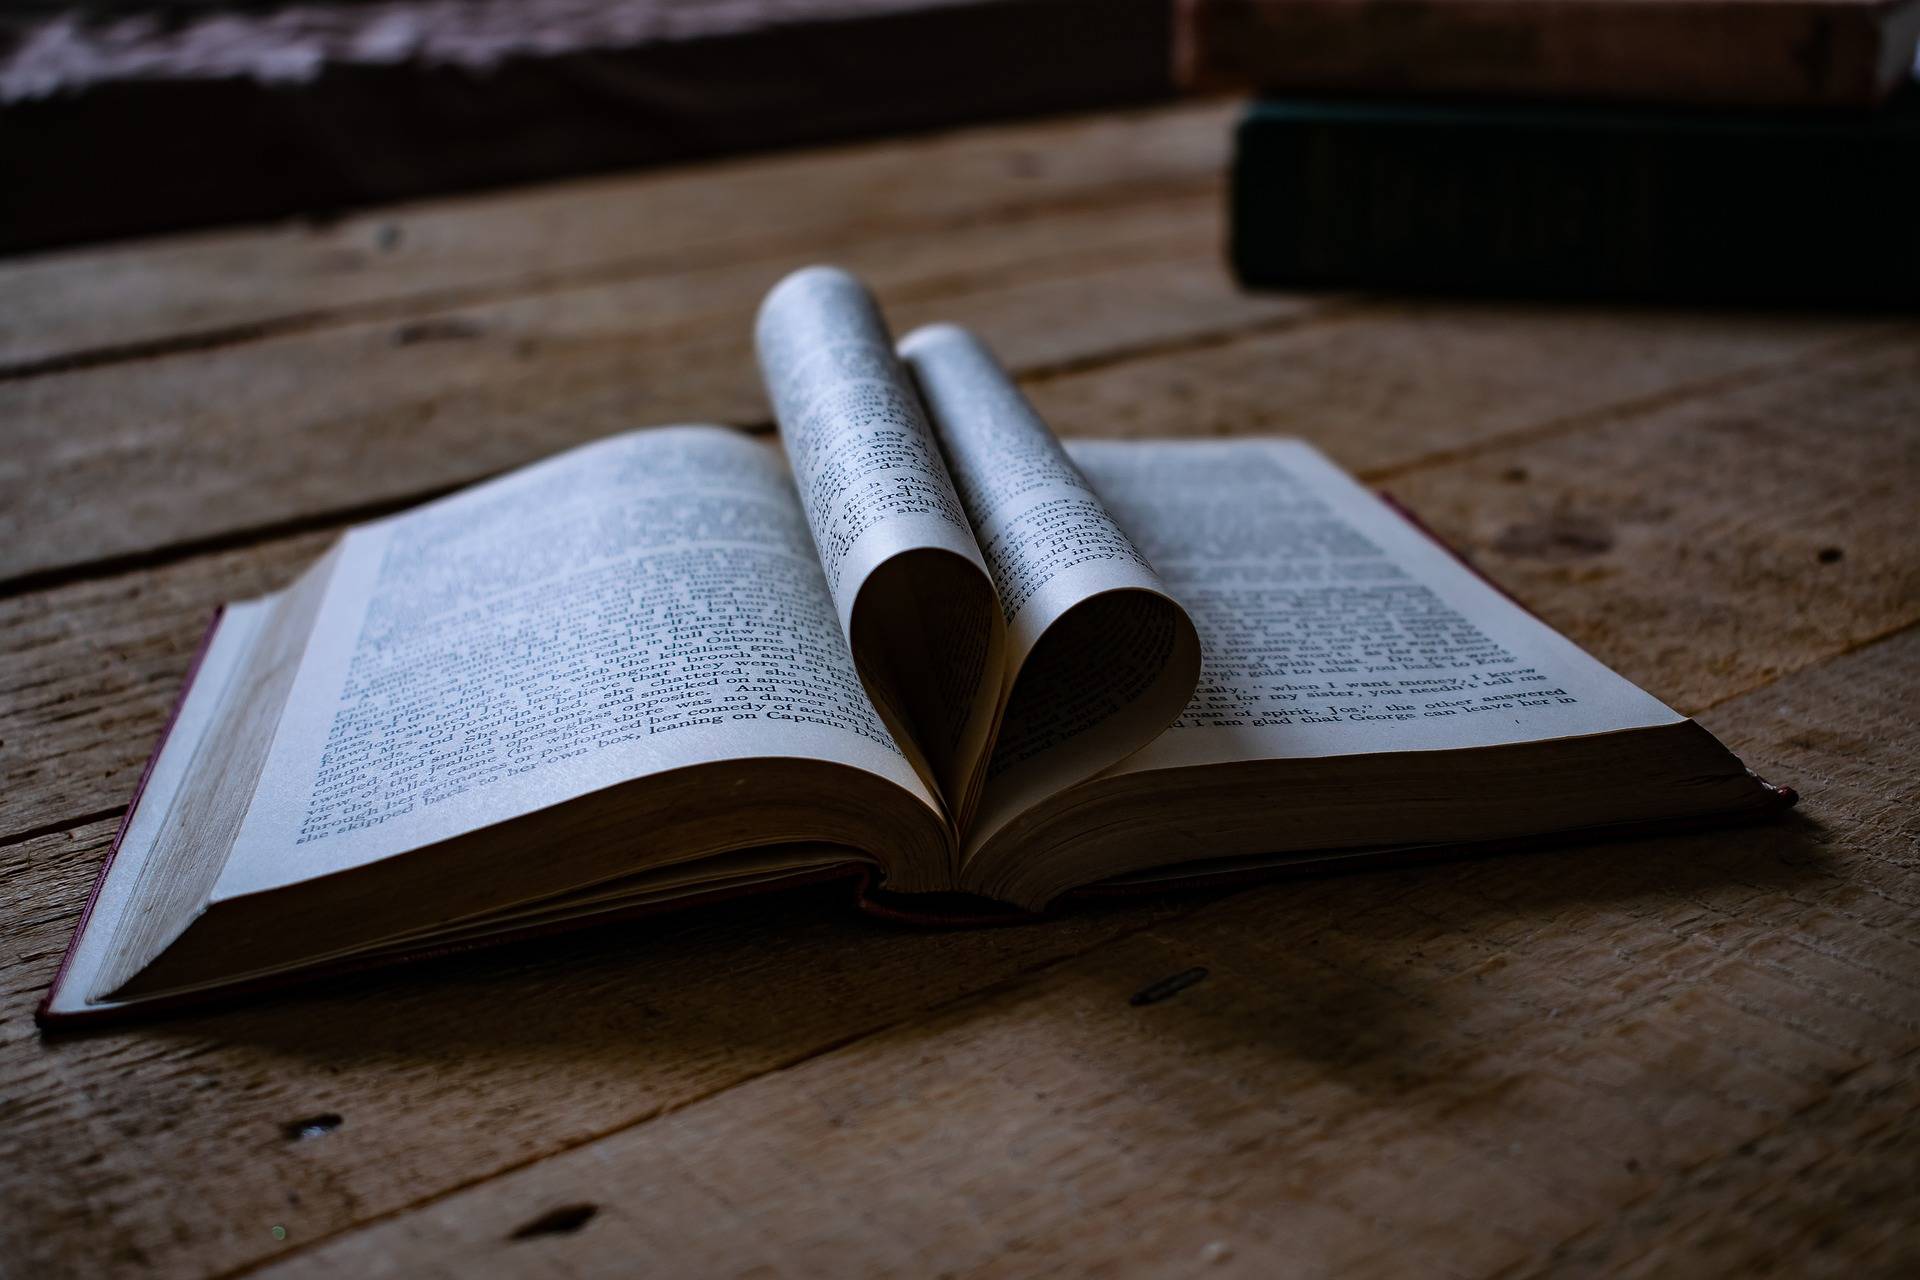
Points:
x=1684, y=1056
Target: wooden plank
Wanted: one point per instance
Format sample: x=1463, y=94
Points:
x=571, y=1040
x=1681, y=1055
x=1775, y=503
x=1705, y=506
x=1835, y=1197
x=204, y=445
x=1702, y=1020
x=1401, y=383
x=90, y=673
x=191, y=291
x=533, y=1049
x=422, y=405
x=92, y=668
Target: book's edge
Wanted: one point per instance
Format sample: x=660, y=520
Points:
x=1788, y=796
x=1780, y=799
x=986, y=912
x=43, y=1014
x=881, y=905
x=221, y=997
x=956, y=911
x=1459, y=557
x=974, y=911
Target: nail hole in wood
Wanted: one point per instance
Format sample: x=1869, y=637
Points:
x=1155, y=992
x=312, y=1127
x=563, y=1221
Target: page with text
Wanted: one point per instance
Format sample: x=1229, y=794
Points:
x=1101, y=657
x=909, y=584
x=645, y=603
x=1329, y=624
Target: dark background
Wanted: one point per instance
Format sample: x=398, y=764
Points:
x=124, y=117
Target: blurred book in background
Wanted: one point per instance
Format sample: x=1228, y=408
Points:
x=1669, y=150
x=1548, y=200
x=1725, y=52
x=126, y=117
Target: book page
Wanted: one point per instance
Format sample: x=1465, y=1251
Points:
x=1100, y=658
x=1329, y=624
x=909, y=584
x=645, y=603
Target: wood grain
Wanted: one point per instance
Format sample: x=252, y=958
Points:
x=1673, y=1057
x=244, y=438
x=1607, y=544
x=1609, y=1059
x=176, y=1147
x=144, y=619
x=1401, y=383
x=416, y=408
x=89, y=674
x=189, y=291
x=1769, y=501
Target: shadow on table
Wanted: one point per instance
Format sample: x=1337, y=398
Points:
x=1447, y=991
x=783, y=977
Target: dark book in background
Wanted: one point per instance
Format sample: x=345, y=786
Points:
x=1780, y=53
x=1570, y=201
x=128, y=117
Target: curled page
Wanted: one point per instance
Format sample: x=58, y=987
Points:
x=907, y=578
x=1101, y=658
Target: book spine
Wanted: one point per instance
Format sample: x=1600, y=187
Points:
x=1577, y=203
x=1754, y=53
x=43, y=1013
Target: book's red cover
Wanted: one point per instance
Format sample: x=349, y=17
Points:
x=43, y=1013
x=955, y=910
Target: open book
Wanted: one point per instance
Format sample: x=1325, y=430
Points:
x=915, y=641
